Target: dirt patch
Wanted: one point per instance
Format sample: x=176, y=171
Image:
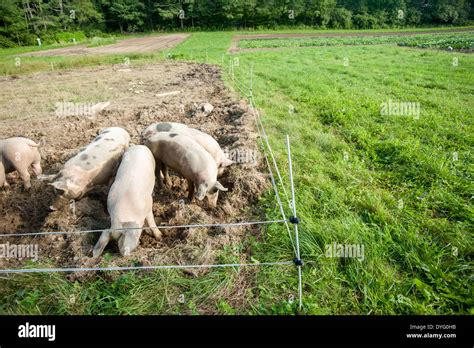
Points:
x=234, y=47
x=135, y=45
x=61, y=137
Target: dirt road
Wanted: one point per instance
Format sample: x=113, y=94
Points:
x=135, y=45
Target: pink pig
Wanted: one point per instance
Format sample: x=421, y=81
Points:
x=19, y=154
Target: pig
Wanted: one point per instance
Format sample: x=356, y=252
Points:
x=184, y=155
x=93, y=165
x=19, y=154
x=203, y=139
x=130, y=201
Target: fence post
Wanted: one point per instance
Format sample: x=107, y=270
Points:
x=295, y=222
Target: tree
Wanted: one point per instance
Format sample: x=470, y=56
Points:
x=83, y=13
x=341, y=18
x=127, y=14
x=13, y=27
x=21, y=21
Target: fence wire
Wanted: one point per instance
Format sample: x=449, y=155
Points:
x=291, y=204
x=131, y=268
x=232, y=224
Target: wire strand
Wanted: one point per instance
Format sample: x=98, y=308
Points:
x=271, y=153
x=129, y=268
x=143, y=228
x=275, y=186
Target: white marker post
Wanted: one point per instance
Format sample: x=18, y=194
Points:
x=295, y=221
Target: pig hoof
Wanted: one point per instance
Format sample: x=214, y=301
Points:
x=157, y=235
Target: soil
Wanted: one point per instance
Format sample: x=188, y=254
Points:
x=28, y=110
x=135, y=45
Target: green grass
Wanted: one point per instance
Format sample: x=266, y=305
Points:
x=400, y=186
x=410, y=265
x=458, y=41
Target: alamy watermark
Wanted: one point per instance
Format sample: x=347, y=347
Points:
x=242, y=155
x=398, y=108
x=66, y=109
x=19, y=251
x=37, y=331
x=345, y=251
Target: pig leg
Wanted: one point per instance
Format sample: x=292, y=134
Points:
x=25, y=176
x=190, y=189
x=101, y=243
x=150, y=220
x=158, y=170
x=166, y=176
x=3, y=177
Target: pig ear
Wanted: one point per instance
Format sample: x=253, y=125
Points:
x=219, y=186
x=59, y=185
x=72, y=187
x=101, y=244
x=227, y=162
x=201, y=192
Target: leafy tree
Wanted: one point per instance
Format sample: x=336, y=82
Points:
x=127, y=14
x=83, y=14
x=13, y=27
x=341, y=18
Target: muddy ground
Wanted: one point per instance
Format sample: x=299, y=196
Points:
x=27, y=107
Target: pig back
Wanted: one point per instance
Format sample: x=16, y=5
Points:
x=137, y=169
x=131, y=193
x=207, y=142
x=99, y=160
x=183, y=154
x=203, y=139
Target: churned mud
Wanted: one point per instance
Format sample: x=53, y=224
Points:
x=49, y=108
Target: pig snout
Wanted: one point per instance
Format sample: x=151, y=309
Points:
x=59, y=202
x=212, y=193
x=129, y=241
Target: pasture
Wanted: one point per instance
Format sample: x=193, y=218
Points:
x=382, y=157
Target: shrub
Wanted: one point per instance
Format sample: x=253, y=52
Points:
x=67, y=36
x=341, y=19
x=6, y=43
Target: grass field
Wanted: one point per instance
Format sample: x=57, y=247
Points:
x=398, y=184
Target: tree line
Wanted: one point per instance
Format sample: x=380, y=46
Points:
x=23, y=21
